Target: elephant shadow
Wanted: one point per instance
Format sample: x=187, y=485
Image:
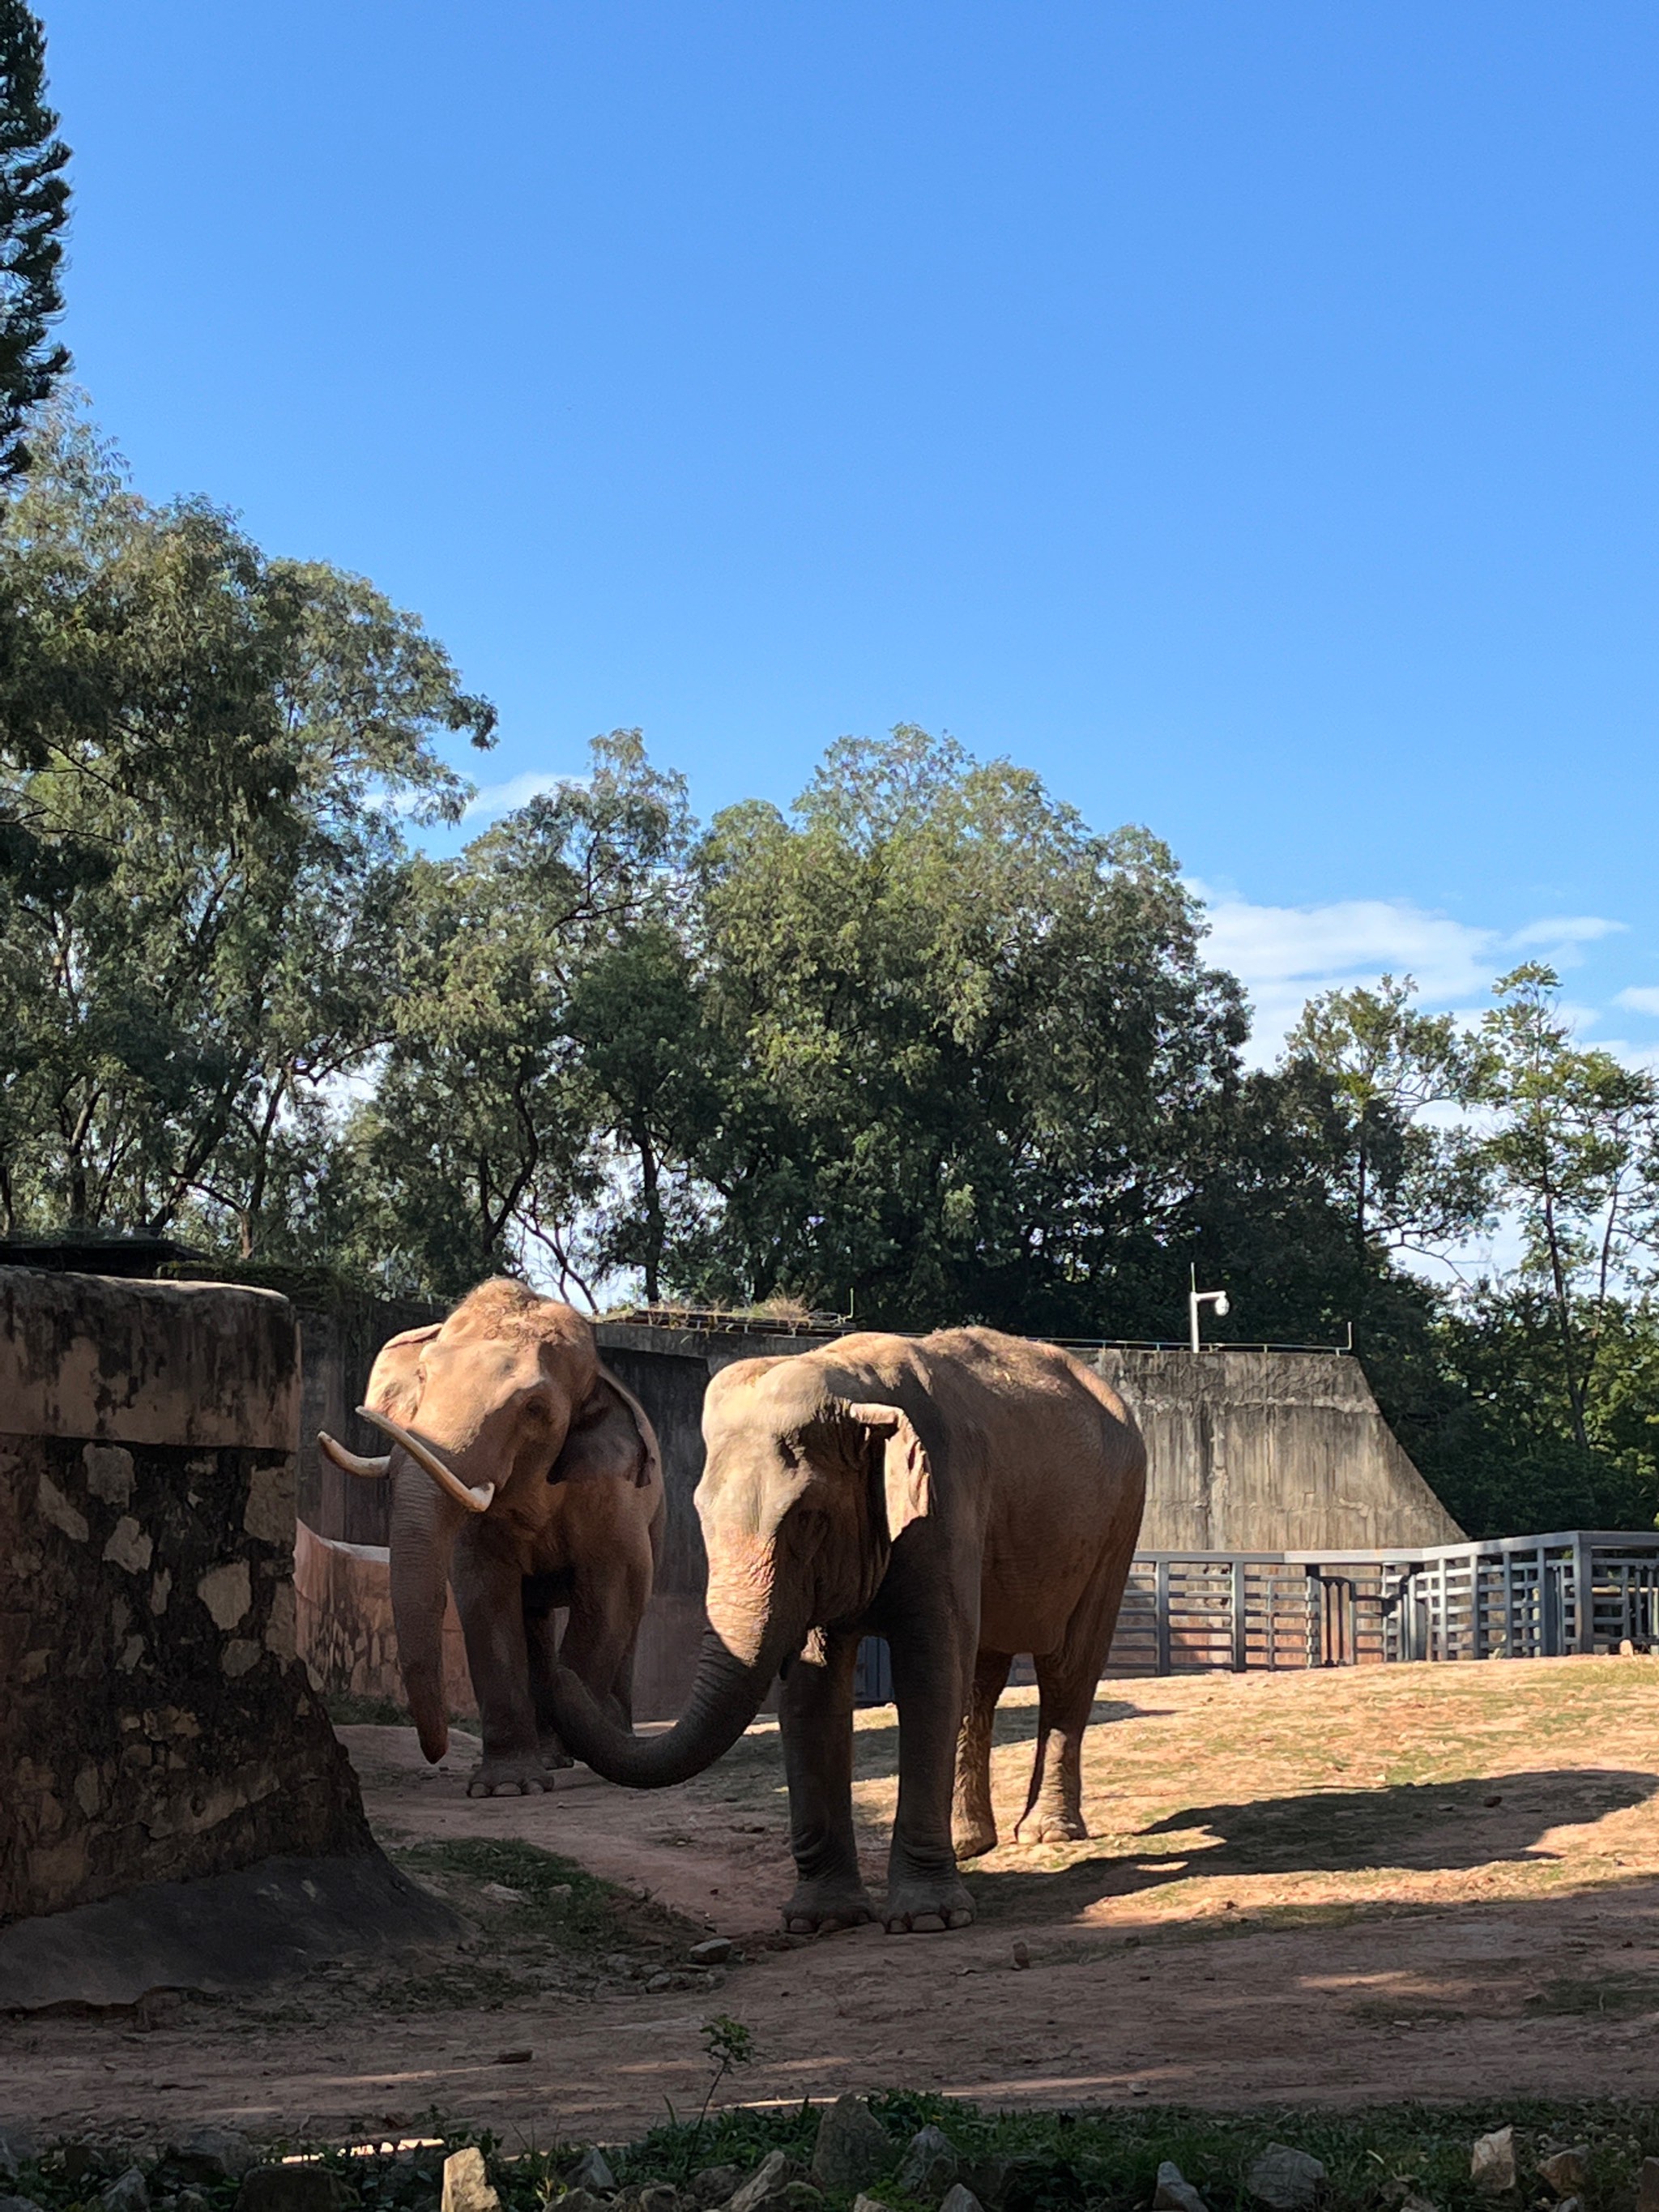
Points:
x=1436, y=1826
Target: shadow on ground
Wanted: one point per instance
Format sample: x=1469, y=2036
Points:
x=1444, y=1827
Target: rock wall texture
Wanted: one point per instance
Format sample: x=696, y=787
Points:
x=157, y=1723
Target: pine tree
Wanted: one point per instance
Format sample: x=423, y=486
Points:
x=33, y=208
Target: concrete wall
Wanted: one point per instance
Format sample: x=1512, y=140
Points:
x=157, y=1723
x=1269, y=1451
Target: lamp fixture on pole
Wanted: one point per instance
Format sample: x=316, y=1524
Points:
x=1195, y=1299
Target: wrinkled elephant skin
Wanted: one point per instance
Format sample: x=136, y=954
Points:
x=529, y=1479
x=966, y=1495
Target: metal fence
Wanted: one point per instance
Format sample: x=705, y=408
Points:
x=1513, y=1597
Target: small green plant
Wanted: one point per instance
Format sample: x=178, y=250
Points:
x=730, y=2044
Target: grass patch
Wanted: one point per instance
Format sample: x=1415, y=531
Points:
x=555, y=1905
x=1605, y=1993
x=1094, y=2160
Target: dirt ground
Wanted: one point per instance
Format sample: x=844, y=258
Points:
x=1414, y=1882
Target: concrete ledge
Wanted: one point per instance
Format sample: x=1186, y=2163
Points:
x=184, y=1363
x=229, y=1931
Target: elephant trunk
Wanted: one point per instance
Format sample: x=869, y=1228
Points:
x=724, y=1698
x=424, y=1524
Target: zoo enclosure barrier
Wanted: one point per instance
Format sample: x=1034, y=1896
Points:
x=1509, y=1597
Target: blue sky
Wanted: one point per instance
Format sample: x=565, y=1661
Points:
x=1244, y=416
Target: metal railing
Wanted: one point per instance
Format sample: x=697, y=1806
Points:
x=1514, y=1597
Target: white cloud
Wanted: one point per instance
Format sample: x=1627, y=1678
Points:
x=1284, y=955
x=495, y=798
x=1641, y=999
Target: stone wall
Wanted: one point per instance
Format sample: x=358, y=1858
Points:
x=157, y=1723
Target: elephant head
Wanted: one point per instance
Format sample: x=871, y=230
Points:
x=805, y=1489
x=503, y=1398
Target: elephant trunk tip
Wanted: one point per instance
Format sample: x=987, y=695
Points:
x=434, y=1738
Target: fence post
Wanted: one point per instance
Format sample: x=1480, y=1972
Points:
x=1241, y=1644
x=1161, y=1613
x=1583, y=1599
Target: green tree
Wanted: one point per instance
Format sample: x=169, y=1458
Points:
x=203, y=757
x=962, y=1038
x=1573, y=1151
x=485, y=1144
x=34, y=210
x=1405, y=1183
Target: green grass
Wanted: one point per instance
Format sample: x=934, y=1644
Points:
x=1098, y=2161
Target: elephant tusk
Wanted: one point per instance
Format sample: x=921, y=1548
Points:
x=351, y=1462
x=476, y=1501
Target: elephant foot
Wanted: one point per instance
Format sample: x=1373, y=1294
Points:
x=975, y=1839
x=927, y=1908
x=510, y=1776
x=553, y=1752
x=1049, y=1828
x=818, y=1909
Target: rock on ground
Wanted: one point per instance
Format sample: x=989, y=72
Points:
x=715, y=2184
x=956, y=2198
x=1175, y=2193
x=767, y=2187
x=128, y=2192
x=853, y=2147
x=593, y=2171
x=930, y=2167
x=1568, y=2171
x=1491, y=2161
x=291, y=2189
x=467, y=2187
x=1283, y=2180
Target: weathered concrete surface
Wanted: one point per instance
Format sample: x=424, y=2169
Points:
x=345, y=1628
x=157, y=1723
x=1269, y=1451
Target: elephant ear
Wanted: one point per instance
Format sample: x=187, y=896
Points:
x=391, y=1388
x=906, y=1485
x=609, y=1434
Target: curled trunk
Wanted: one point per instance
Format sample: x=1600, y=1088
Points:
x=424, y=1523
x=724, y=1698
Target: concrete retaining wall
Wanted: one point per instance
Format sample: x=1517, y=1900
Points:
x=157, y=1723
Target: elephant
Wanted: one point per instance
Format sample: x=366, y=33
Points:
x=533, y=1480
x=967, y=1495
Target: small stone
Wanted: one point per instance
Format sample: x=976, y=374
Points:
x=1175, y=2193
x=191, y=2200
x=580, y=2200
x=1022, y=1954
x=1567, y=2172
x=863, y=2203
x=521, y=2056
x=959, y=2198
x=1283, y=2180
x=765, y=2190
x=467, y=2186
x=801, y=2197
x=1489, y=1802
x=1413, y=2203
x=593, y=2171
x=1491, y=2161
x=713, y=1951
x=659, y=2197
x=502, y=1892
x=1571, y=2204
x=293, y=2189
x=128, y=2192
x=211, y=2154
x=660, y=1982
x=852, y=2146
x=931, y=2166
x=715, y=2184
x=1647, y=2185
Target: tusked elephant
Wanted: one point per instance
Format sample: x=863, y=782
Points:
x=968, y=1496
x=525, y=1474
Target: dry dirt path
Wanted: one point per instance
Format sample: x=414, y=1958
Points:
x=1437, y=1882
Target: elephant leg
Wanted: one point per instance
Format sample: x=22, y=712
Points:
x=932, y=1660
x=599, y=1637
x=973, y=1823
x=814, y=1716
x=490, y=1598
x=1067, y=1678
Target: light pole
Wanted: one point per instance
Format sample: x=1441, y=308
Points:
x=1195, y=1299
